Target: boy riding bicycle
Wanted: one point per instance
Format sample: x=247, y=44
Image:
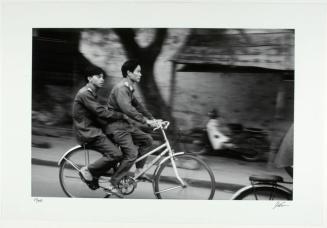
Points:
x=132, y=141
x=88, y=118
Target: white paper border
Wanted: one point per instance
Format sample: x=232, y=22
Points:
x=309, y=22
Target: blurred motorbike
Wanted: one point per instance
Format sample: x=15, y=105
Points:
x=249, y=143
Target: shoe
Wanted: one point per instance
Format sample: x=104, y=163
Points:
x=86, y=174
x=111, y=189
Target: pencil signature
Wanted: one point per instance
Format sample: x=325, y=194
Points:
x=279, y=204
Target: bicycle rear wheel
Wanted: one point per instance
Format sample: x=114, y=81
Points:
x=264, y=193
x=199, y=181
x=71, y=182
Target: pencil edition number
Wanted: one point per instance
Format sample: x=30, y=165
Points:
x=37, y=200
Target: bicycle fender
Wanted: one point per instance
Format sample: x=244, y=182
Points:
x=240, y=191
x=68, y=152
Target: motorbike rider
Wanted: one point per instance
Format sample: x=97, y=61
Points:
x=216, y=131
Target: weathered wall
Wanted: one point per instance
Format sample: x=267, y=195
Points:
x=247, y=98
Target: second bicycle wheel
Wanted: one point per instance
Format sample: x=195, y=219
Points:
x=70, y=181
x=198, y=182
x=264, y=193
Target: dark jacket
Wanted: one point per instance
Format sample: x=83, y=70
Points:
x=122, y=99
x=89, y=116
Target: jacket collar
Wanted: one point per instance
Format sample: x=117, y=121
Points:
x=91, y=88
x=128, y=84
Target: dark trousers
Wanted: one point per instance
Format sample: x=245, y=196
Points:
x=111, y=155
x=133, y=143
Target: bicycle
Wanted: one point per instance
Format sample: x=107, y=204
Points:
x=265, y=188
x=177, y=175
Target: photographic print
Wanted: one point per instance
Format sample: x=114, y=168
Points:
x=163, y=113
x=177, y=113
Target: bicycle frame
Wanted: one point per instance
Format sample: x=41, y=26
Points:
x=167, y=150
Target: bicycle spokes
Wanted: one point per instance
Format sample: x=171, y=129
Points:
x=173, y=181
x=169, y=189
x=73, y=164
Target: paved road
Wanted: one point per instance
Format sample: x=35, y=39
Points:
x=45, y=183
x=227, y=170
x=230, y=173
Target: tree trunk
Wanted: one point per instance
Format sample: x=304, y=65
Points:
x=151, y=92
x=147, y=57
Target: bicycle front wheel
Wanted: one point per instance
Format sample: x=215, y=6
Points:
x=70, y=181
x=192, y=179
x=264, y=193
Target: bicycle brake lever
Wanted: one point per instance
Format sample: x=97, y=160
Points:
x=166, y=123
x=161, y=124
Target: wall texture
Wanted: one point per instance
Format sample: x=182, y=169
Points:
x=247, y=98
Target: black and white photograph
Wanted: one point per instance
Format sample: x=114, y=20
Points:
x=170, y=113
x=163, y=113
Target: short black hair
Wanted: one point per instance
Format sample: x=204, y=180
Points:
x=129, y=65
x=93, y=70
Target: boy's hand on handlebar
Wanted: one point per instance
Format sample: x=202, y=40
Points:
x=158, y=120
x=157, y=123
x=152, y=123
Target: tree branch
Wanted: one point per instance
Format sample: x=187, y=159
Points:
x=127, y=38
x=155, y=48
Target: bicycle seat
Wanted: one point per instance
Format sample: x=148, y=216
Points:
x=87, y=146
x=266, y=178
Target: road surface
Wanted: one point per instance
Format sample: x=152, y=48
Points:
x=45, y=183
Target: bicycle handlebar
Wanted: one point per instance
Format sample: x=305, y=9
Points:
x=161, y=124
